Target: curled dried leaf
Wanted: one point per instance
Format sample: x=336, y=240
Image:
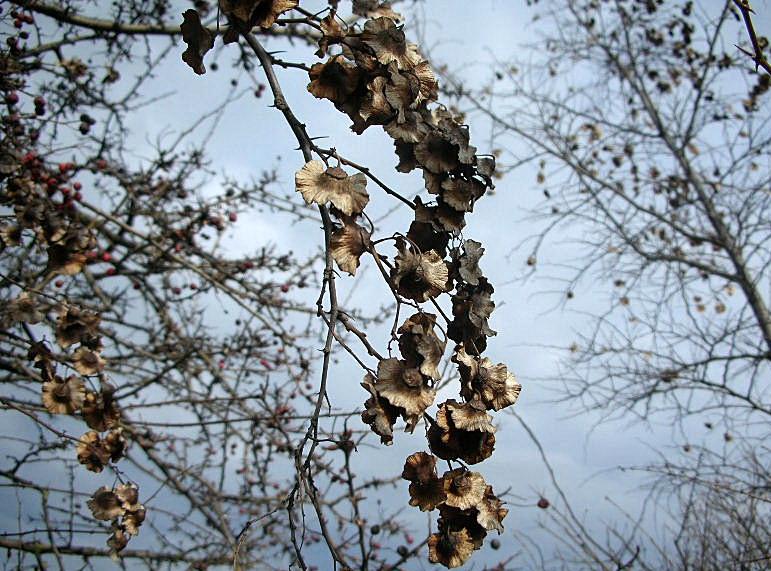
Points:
x=464, y=489
x=406, y=154
x=450, y=548
x=332, y=30
x=347, y=245
x=426, y=489
x=437, y=153
x=62, y=396
x=75, y=326
x=471, y=308
x=450, y=442
x=389, y=43
x=133, y=519
x=25, y=308
x=469, y=262
x=335, y=79
x=379, y=414
x=425, y=232
x=10, y=235
x=92, y=452
x=105, y=505
x=420, y=345
x=454, y=519
x=461, y=194
x=404, y=387
x=99, y=410
x=263, y=13
x=375, y=109
x=412, y=129
x=320, y=185
x=427, y=495
x=375, y=9
x=419, y=276
x=118, y=539
x=116, y=444
x=490, y=511
x=199, y=40
x=419, y=467
x=87, y=362
x=492, y=386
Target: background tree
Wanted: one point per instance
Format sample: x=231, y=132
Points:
x=649, y=133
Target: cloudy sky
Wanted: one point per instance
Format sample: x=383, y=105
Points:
x=529, y=318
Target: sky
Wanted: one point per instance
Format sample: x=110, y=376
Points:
x=586, y=456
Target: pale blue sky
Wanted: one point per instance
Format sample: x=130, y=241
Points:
x=251, y=135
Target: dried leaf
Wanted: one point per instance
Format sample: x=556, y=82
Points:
x=199, y=40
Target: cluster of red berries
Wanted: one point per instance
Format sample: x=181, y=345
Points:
x=54, y=181
x=19, y=20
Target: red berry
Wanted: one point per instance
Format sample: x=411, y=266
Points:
x=543, y=503
x=64, y=167
x=221, y=364
x=77, y=185
x=233, y=216
x=177, y=247
x=285, y=288
x=29, y=157
x=78, y=196
x=101, y=164
x=59, y=283
x=409, y=539
x=39, y=101
x=111, y=271
x=106, y=257
x=65, y=191
x=91, y=255
x=136, y=285
x=265, y=363
x=12, y=98
x=18, y=23
x=176, y=290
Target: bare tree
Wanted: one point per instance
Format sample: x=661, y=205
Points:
x=649, y=131
x=212, y=443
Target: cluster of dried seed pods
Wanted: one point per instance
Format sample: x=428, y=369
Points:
x=377, y=77
x=67, y=243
